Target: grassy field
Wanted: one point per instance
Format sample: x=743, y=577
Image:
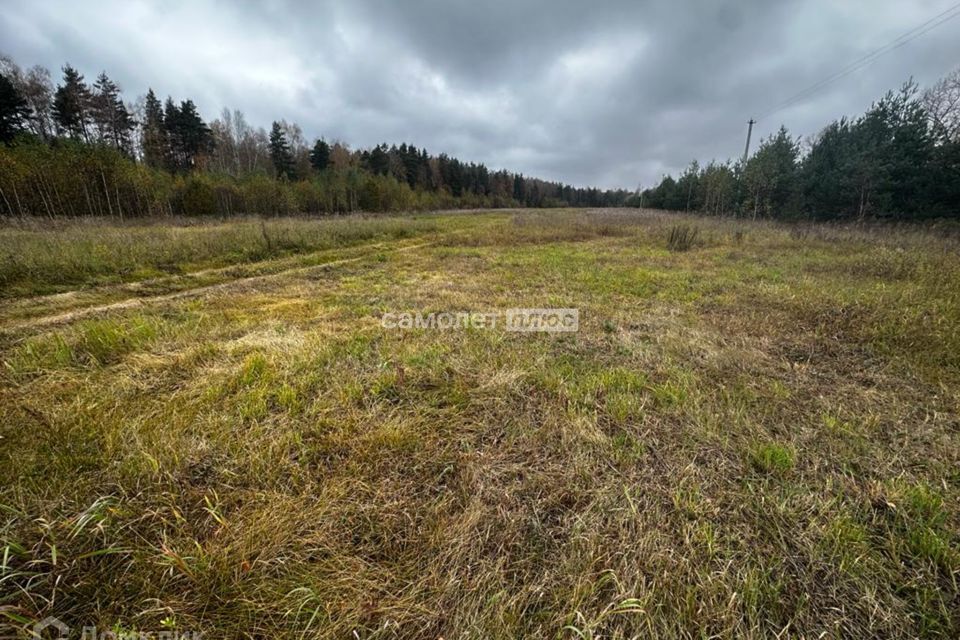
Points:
x=754, y=433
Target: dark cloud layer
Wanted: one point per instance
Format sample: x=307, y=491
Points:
x=608, y=93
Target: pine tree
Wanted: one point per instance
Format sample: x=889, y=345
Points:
x=911, y=149
x=196, y=138
x=280, y=152
x=188, y=136
x=378, y=161
x=71, y=105
x=105, y=93
x=153, y=135
x=13, y=111
x=689, y=187
x=518, y=188
x=173, y=152
x=109, y=115
x=320, y=155
x=824, y=173
x=770, y=174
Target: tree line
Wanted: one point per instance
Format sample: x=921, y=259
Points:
x=78, y=149
x=899, y=160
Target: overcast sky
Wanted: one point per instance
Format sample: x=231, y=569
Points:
x=606, y=93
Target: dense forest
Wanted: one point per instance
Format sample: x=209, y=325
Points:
x=899, y=160
x=78, y=149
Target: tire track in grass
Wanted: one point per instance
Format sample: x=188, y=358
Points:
x=141, y=288
x=131, y=303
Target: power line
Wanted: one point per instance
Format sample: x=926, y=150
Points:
x=868, y=58
x=858, y=64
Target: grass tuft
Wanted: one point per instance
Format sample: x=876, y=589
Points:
x=772, y=458
x=682, y=237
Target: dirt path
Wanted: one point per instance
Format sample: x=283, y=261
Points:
x=130, y=303
x=141, y=285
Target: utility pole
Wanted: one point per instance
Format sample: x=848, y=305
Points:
x=746, y=150
x=743, y=165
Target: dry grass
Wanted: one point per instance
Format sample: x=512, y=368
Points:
x=682, y=237
x=48, y=257
x=756, y=436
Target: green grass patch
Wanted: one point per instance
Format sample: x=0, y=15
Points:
x=772, y=458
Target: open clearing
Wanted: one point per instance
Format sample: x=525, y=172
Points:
x=209, y=430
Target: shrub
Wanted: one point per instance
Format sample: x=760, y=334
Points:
x=198, y=197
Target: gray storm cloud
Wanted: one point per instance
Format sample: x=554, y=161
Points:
x=611, y=94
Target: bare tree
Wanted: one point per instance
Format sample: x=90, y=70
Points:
x=35, y=86
x=240, y=149
x=942, y=103
x=298, y=148
x=225, y=156
x=341, y=157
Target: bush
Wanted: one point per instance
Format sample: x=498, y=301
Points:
x=197, y=197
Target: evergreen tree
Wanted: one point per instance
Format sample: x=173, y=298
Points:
x=910, y=150
x=410, y=157
x=102, y=99
x=670, y=197
x=109, y=115
x=825, y=172
x=518, y=188
x=13, y=111
x=195, y=136
x=188, y=137
x=770, y=174
x=689, y=187
x=945, y=178
x=280, y=152
x=883, y=162
x=395, y=165
x=378, y=162
x=71, y=104
x=153, y=134
x=425, y=173
x=173, y=151
x=320, y=155
x=718, y=184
